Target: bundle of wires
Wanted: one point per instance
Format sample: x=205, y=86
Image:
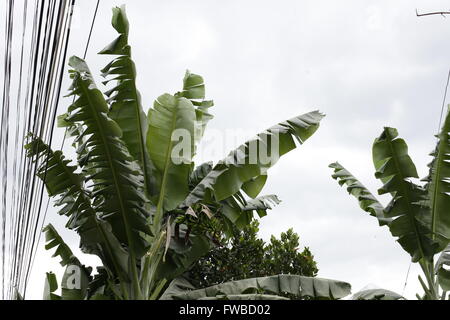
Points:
x=35, y=49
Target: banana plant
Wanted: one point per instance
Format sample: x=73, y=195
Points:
x=135, y=196
x=418, y=214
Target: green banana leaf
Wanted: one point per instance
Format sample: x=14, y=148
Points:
x=299, y=286
x=171, y=116
x=119, y=186
x=395, y=169
x=438, y=187
x=185, y=114
x=125, y=99
x=254, y=186
x=367, y=201
x=194, y=90
x=241, y=165
x=61, y=180
x=76, y=276
x=262, y=204
x=54, y=240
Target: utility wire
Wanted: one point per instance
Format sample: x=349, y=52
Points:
x=64, y=138
x=61, y=50
x=92, y=28
x=41, y=63
x=443, y=101
x=4, y=134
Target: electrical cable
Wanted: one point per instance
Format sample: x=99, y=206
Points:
x=36, y=96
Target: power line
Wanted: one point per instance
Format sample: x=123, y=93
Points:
x=92, y=28
x=64, y=138
x=36, y=89
x=443, y=101
x=4, y=134
x=62, y=56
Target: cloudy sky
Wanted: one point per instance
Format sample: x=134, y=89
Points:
x=365, y=64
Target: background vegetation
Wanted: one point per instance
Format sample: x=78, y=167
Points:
x=245, y=255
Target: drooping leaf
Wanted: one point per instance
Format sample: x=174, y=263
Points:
x=199, y=174
x=58, y=176
x=367, y=201
x=76, y=277
x=61, y=180
x=75, y=131
x=54, y=240
x=254, y=158
x=377, y=294
x=438, y=186
x=299, y=286
x=395, y=169
x=125, y=99
x=119, y=185
x=121, y=24
x=262, y=204
x=239, y=211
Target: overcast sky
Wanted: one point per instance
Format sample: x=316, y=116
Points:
x=365, y=64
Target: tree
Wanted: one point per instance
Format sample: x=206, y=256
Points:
x=418, y=215
x=135, y=197
x=283, y=257
x=246, y=256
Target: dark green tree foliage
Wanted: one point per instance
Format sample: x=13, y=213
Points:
x=245, y=255
x=283, y=256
